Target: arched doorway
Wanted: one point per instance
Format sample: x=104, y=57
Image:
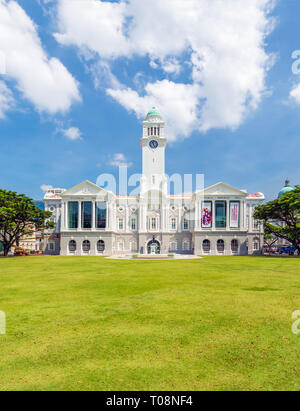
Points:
x=153, y=247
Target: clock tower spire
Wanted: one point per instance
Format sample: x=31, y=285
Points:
x=153, y=147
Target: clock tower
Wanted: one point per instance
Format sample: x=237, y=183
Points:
x=153, y=147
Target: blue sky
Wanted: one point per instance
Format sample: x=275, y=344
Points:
x=225, y=87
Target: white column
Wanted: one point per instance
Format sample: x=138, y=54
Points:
x=227, y=215
x=62, y=217
x=79, y=215
x=163, y=217
x=141, y=217
x=179, y=228
x=243, y=215
x=126, y=219
x=198, y=214
x=66, y=204
x=167, y=208
x=144, y=218
x=250, y=218
x=94, y=215
x=113, y=217
x=108, y=217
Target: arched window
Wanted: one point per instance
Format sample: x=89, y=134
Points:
x=234, y=246
x=72, y=246
x=256, y=244
x=100, y=246
x=86, y=246
x=206, y=246
x=220, y=246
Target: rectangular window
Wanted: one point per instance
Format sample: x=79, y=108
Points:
x=86, y=214
x=220, y=214
x=101, y=214
x=133, y=224
x=234, y=214
x=173, y=224
x=153, y=223
x=186, y=246
x=158, y=131
x=51, y=246
x=121, y=224
x=185, y=224
x=256, y=225
x=73, y=214
x=206, y=214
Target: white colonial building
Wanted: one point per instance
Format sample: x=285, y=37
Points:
x=217, y=220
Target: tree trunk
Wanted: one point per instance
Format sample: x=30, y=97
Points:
x=6, y=250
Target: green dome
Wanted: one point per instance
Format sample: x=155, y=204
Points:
x=286, y=189
x=154, y=112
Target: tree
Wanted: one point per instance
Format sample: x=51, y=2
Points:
x=269, y=240
x=19, y=217
x=281, y=217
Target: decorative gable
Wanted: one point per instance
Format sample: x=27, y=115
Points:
x=86, y=189
x=222, y=189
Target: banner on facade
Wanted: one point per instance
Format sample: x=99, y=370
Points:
x=234, y=214
x=206, y=214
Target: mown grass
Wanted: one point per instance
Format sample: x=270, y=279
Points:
x=85, y=323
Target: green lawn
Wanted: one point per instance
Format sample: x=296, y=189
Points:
x=220, y=323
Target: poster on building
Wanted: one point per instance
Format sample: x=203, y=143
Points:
x=206, y=215
x=234, y=214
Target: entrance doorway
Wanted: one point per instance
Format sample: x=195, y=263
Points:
x=153, y=247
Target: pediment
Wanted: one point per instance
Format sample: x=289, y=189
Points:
x=222, y=189
x=86, y=188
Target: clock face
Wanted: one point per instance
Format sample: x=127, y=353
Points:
x=153, y=144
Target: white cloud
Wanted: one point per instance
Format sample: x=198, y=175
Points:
x=6, y=99
x=45, y=187
x=295, y=93
x=44, y=81
x=178, y=103
x=223, y=43
x=72, y=133
x=119, y=160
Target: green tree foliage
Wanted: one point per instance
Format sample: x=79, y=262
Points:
x=19, y=217
x=281, y=217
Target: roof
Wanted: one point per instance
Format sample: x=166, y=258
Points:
x=54, y=194
x=286, y=189
x=154, y=112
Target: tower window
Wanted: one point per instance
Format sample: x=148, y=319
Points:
x=151, y=131
x=148, y=131
x=158, y=131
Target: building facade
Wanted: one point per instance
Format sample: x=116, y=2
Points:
x=217, y=220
